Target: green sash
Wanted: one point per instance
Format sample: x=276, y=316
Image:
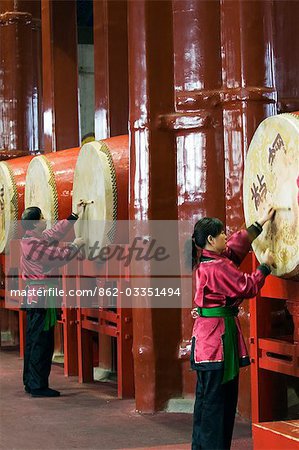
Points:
x=51, y=316
x=230, y=343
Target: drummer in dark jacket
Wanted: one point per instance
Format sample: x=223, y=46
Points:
x=39, y=255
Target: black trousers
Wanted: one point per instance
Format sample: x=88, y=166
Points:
x=39, y=349
x=214, y=411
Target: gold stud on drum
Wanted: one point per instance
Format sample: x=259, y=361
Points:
x=271, y=178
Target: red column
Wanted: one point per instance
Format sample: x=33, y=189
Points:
x=198, y=127
x=249, y=95
x=286, y=54
x=152, y=189
x=20, y=124
x=20, y=77
x=60, y=75
x=111, y=68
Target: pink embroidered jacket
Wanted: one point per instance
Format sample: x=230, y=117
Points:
x=40, y=255
x=220, y=283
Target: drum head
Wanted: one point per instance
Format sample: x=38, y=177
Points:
x=271, y=179
x=41, y=188
x=8, y=205
x=95, y=182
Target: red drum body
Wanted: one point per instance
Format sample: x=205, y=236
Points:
x=118, y=148
x=12, y=191
x=271, y=178
x=49, y=183
x=102, y=179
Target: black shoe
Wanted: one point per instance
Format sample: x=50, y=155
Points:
x=27, y=390
x=47, y=392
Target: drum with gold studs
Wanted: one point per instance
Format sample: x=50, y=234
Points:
x=49, y=183
x=101, y=179
x=12, y=187
x=271, y=178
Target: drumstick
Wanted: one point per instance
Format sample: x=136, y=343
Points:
x=88, y=202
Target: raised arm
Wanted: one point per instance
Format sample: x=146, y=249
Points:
x=235, y=284
x=239, y=244
x=50, y=255
x=59, y=230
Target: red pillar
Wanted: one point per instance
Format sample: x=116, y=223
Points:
x=60, y=75
x=286, y=54
x=20, y=77
x=111, y=68
x=249, y=95
x=156, y=332
x=110, y=32
x=20, y=94
x=60, y=82
x=198, y=127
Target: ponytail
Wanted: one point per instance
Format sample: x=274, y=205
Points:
x=192, y=253
x=196, y=252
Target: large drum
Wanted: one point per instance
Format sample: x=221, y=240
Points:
x=12, y=187
x=102, y=178
x=49, y=183
x=271, y=178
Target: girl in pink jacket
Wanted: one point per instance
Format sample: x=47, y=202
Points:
x=218, y=347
